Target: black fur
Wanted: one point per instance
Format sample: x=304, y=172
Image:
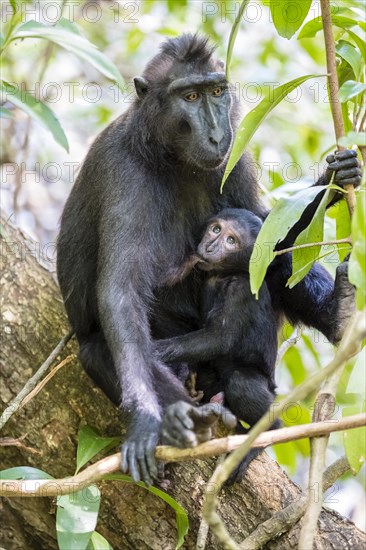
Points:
x=234, y=352
x=142, y=197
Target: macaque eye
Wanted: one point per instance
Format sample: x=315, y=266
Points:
x=192, y=96
x=217, y=91
x=231, y=240
x=216, y=229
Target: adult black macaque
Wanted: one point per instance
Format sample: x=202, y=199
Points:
x=143, y=195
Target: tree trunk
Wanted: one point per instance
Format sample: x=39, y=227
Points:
x=130, y=517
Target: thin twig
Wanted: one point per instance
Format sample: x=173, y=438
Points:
x=215, y=447
x=287, y=344
x=12, y=442
x=32, y=382
x=363, y=123
x=346, y=240
x=46, y=379
x=349, y=346
x=334, y=89
x=203, y=529
x=283, y=520
x=324, y=409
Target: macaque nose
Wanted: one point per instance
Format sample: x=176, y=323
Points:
x=211, y=247
x=216, y=136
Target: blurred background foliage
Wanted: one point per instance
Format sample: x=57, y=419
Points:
x=289, y=148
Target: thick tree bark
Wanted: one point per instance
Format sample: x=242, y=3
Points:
x=130, y=518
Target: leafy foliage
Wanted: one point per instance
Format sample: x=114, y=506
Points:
x=36, y=109
x=90, y=443
x=280, y=220
x=76, y=518
x=254, y=119
x=288, y=16
x=357, y=262
x=65, y=34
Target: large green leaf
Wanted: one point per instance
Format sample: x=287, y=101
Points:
x=315, y=25
x=304, y=258
x=298, y=274
x=76, y=518
x=284, y=214
x=357, y=378
x=90, y=443
x=36, y=109
x=67, y=35
x=24, y=472
x=180, y=513
x=252, y=120
x=350, y=89
x=233, y=34
x=360, y=43
x=343, y=227
x=357, y=261
x=288, y=15
x=355, y=440
x=349, y=53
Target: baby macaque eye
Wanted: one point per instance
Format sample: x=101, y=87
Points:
x=216, y=229
x=231, y=240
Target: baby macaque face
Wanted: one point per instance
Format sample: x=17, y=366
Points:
x=225, y=244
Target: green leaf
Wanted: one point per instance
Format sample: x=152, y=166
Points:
x=97, y=542
x=297, y=276
x=286, y=455
x=181, y=517
x=303, y=259
x=233, y=34
x=24, y=472
x=5, y=113
x=255, y=117
x=343, y=227
x=357, y=261
x=349, y=53
x=284, y=214
x=354, y=440
x=360, y=43
x=76, y=518
x=357, y=379
x=289, y=15
x=66, y=34
x=353, y=138
x=180, y=513
x=295, y=366
x=315, y=25
x=90, y=443
x=350, y=89
x=35, y=109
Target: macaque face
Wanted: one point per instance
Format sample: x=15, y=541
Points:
x=225, y=244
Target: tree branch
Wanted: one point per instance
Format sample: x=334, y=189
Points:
x=215, y=447
x=324, y=409
x=334, y=89
x=286, y=518
x=14, y=405
x=346, y=240
x=287, y=344
x=349, y=346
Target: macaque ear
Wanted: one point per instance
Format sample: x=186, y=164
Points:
x=220, y=64
x=141, y=86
